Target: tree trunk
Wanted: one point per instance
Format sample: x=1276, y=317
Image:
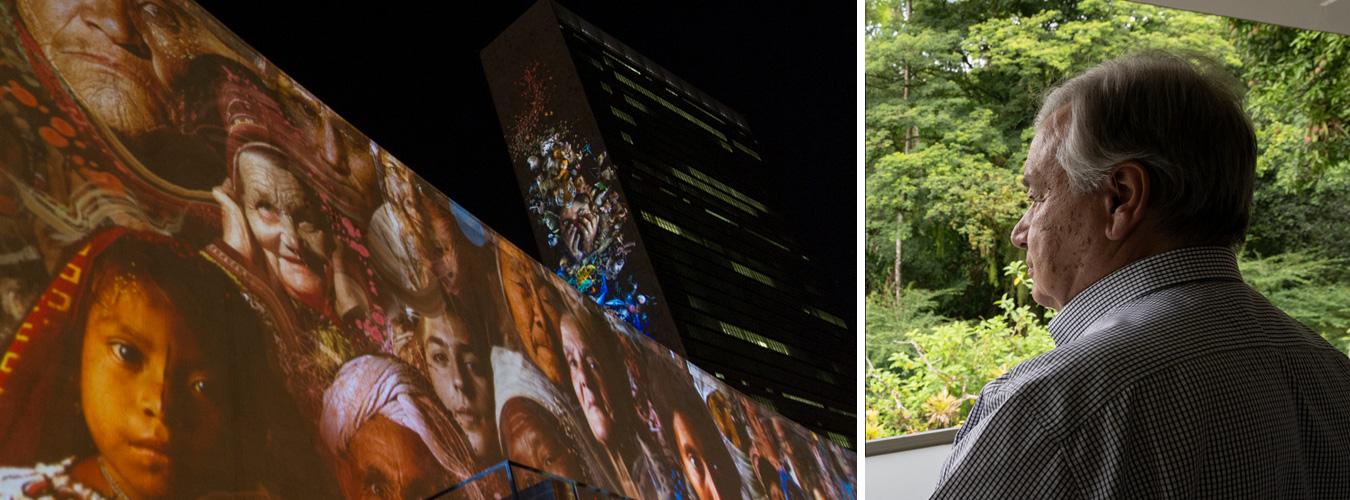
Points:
x=899, y=257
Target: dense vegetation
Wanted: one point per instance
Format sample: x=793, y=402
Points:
x=951, y=90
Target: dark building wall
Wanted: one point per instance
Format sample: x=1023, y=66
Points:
x=733, y=279
x=538, y=95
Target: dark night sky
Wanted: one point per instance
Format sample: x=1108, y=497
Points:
x=409, y=76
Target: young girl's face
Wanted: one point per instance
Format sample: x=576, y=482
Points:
x=151, y=390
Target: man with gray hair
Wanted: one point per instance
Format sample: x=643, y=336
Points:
x=1170, y=377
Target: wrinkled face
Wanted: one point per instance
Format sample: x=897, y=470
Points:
x=118, y=56
x=1055, y=230
x=690, y=453
x=534, y=312
x=533, y=438
x=285, y=223
x=386, y=461
x=343, y=151
x=461, y=372
x=591, y=390
x=153, y=393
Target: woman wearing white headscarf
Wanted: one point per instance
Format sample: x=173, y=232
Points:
x=388, y=433
x=540, y=428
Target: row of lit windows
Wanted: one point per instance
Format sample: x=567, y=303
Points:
x=848, y=414
x=739, y=195
x=803, y=400
x=669, y=105
x=792, y=397
x=747, y=150
x=720, y=216
x=739, y=268
x=635, y=103
x=613, y=54
x=830, y=318
x=711, y=245
x=752, y=274
x=708, y=189
x=703, y=306
x=622, y=115
x=771, y=241
x=743, y=362
x=754, y=338
x=705, y=188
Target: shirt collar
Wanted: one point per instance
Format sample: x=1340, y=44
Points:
x=1139, y=278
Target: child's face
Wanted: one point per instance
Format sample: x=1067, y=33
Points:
x=152, y=392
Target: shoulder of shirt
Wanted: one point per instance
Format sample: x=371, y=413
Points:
x=1154, y=333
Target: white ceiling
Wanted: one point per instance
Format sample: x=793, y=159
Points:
x=1320, y=15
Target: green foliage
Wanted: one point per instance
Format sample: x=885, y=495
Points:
x=888, y=319
x=1299, y=99
x=1315, y=291
x=932, y=380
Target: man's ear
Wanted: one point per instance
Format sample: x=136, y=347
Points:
x=1127, y=191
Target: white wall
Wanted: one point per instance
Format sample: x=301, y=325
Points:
x=906, y=474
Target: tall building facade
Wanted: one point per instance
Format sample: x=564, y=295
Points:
x=628, y=170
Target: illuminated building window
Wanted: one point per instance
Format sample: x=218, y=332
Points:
x=715, y=193
x=608, y=89
x=747, y=150
x=771, y=242
x=719, y=216
x=840, y=440
x=730, y=190
x=626, y=137
x=726, y=146
x=751, y=273
x=671, y=106
x=622, y=115
x=754, y=338
x=663, y=224
x=848, y=414
x=803, y=400
x=829, y=318
x=635, y=103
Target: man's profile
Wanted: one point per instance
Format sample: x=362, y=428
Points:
x=1170, y=377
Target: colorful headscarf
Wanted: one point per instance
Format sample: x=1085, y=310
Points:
x=372, y=385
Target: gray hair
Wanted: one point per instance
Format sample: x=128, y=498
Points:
x=1182, y=118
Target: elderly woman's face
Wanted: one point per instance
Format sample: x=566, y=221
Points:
x=285, y=223
x=461, y=372
x=387, y=460
x=534, y=312
x=591, y=390
x=118, y=56
x=153, y=393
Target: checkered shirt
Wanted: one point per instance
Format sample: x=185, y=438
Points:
x=1170, y=378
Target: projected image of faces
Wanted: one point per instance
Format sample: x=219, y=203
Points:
x=534, y=310
x=283, y=219
x=213, y=286
x=457, y=354
x=571, y=191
